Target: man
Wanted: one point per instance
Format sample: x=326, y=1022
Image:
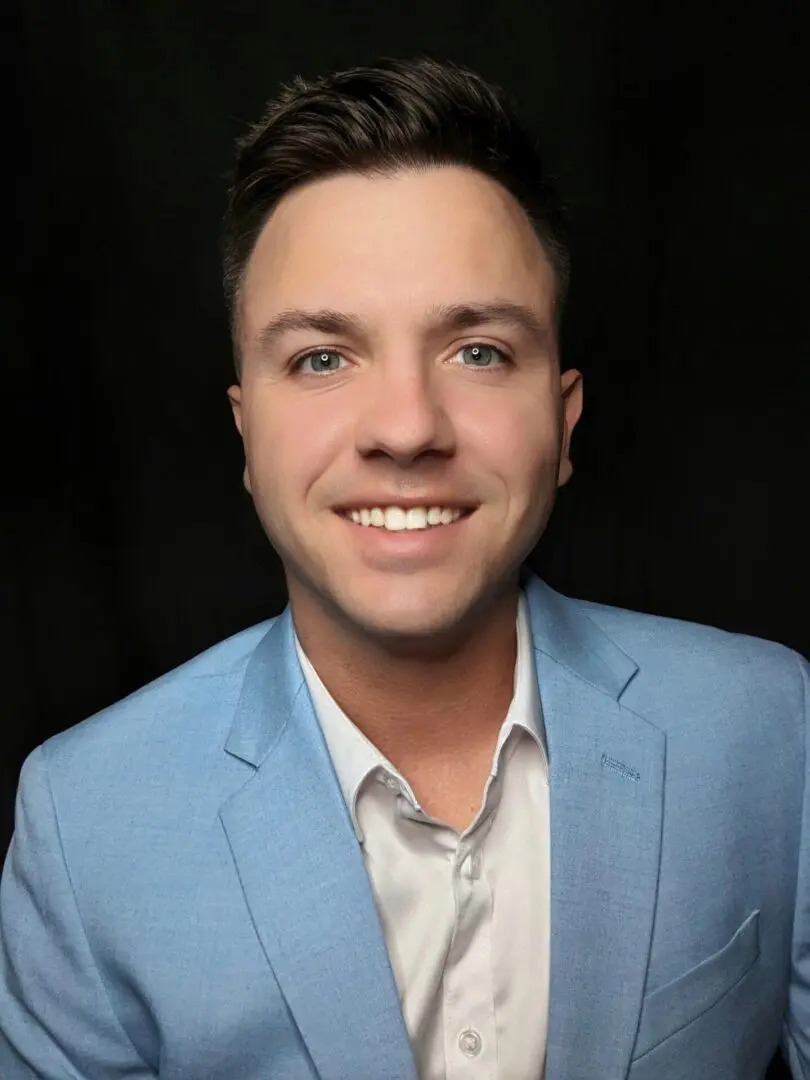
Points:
x=436, y=819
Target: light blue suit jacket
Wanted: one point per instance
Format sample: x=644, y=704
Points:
x=185, y=897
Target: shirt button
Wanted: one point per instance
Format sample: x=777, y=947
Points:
x=469, y=1043
x=391, y=783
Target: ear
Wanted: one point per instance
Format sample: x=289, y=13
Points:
x=571, y=390
x=235, y=398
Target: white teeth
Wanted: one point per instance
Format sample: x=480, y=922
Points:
x=395, y=519
x=416, y=518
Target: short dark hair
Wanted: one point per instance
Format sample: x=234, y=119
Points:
x=377, y=120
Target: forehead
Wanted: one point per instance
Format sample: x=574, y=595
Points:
x=383, y=246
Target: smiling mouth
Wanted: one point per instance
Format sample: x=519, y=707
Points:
x=395, y=519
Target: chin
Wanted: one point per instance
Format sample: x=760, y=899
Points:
x=409, y=614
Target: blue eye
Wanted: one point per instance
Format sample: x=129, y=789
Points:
x=320, y=361
x=481, y=355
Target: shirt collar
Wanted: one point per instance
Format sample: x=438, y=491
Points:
x=355, y=757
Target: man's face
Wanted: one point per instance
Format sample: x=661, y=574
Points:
x=398, y=344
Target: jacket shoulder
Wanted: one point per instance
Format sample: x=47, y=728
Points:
x=197, y=697
x=700, y=659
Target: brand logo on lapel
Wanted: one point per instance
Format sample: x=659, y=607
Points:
x=619, y=766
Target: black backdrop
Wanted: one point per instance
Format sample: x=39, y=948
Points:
x=677, y=131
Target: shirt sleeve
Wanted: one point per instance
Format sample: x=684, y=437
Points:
x=796, y=1033
x=56, y=1019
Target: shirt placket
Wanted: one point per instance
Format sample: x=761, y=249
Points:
x=470, y=1048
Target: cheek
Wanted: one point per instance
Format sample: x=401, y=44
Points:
x=519, y=443
x=287, y=452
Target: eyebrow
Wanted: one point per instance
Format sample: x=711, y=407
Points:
x=454, y=317
x=442, y=319
x=323, y=321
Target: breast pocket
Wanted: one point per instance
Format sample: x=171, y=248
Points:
x=673, y=1006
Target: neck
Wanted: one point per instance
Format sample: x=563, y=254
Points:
x=413, y=702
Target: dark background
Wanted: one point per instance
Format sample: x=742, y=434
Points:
x=677, y=132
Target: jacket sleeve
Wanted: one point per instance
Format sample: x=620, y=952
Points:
x=56, y=1019
x=796, y=1033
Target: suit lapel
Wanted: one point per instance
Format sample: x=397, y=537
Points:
x=303, y=876
x=606, y=791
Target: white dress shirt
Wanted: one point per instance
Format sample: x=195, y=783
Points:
x=465, y=915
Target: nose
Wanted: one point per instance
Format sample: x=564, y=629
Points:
x=404, y=415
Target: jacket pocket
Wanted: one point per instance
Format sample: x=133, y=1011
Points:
x=673, y=1006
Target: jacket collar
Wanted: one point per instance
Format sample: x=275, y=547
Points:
x=560, y=631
